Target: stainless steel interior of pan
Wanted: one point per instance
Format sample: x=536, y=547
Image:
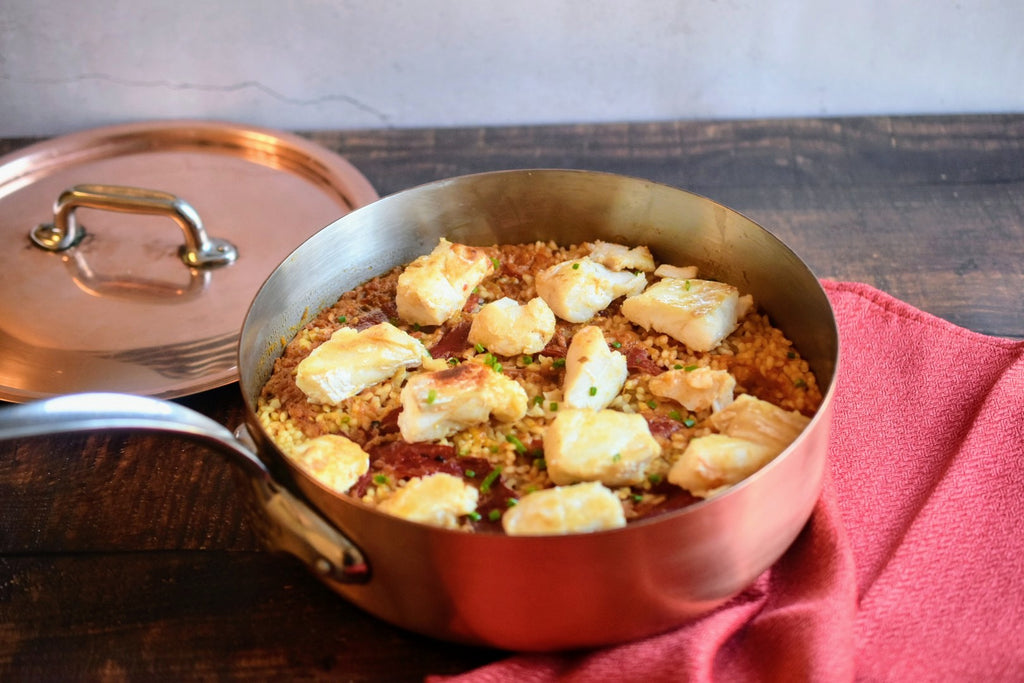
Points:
x=583, y=590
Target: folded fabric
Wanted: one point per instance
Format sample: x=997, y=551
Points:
x=912, y=565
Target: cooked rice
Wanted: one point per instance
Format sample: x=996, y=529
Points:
x=759, y=356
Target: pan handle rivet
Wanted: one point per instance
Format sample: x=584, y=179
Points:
x=322, y=566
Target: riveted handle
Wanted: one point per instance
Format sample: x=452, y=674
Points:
x=198, y=251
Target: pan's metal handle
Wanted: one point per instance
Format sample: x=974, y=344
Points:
x=199, y=250
x=294, y=527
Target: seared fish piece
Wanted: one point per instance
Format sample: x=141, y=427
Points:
x=335, y=461
x=753, y=432
x=576, y=290
x=564, y=510
x=438, y=404
x=714, y=462
x=678, y=272
x=696, y=389
x=608, y=446
x=438, y=499
x=594, y=374
x=621, y=257
x=506, y=328
x=436, y=286
x=351, y=361
x=698, y=313
x=751, y=418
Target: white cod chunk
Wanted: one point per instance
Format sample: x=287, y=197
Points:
x=504, y=327
x=621, y=257
x=752, y=433
x=438, y=404
x=696, y=389
x=436, y=286
x=594, y=374
x=753, y=419
x=333, y=460
x=698, y=313
x=560, y=510
x=437, y=499
x=351, y=361
x=608, y=446
x=576, y=290
x=678, y=272
x=714, y=462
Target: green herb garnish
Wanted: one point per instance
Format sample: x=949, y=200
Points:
x=491, y=477
x=516, y=443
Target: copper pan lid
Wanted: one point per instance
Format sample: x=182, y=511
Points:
x=129, y=254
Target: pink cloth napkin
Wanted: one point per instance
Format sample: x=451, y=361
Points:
x=912, y=565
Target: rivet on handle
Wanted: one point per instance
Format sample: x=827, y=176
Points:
x=199, y=250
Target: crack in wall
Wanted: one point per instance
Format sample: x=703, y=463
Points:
x=229, y=88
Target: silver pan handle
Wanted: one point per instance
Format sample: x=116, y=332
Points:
x=288, y=523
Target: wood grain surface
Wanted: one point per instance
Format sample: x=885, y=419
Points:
x=128, y=557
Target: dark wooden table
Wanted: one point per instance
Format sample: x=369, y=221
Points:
x=130, y=557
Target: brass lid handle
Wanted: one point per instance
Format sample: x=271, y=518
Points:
x=198, y=251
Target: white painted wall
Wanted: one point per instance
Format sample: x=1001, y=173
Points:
x=308, y=64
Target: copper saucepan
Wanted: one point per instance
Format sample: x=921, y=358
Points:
x=520, y=593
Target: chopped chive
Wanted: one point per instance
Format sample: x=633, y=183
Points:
x=686, y=285
x=558, y=363
x=800, y=384
x=652, y=404
x=538, y=400
x=689, y=421
x=516, y=443
x=690, y=368
x=616, y=345
x=512, y=502
x=431, y=396
x=494, y=515
x=553, y=407
x=416, y=327
x=675, y=415
x=475, y=290
x=471, y=474
x=540, y=464
x=677, y=366
x=342, y=319
x=491, y=477
x=654, y=478
x=495, y=262
x=380, y=479
x=636, y=497
x=791, y=355
x=479, y=348
x=617, y=457
x=493, y=449
x=593, y=391
x=527, y=360
x=453, y=361
x=474, y=516
x=575, y=266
